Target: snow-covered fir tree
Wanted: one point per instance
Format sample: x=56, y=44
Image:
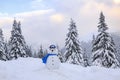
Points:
x=85, y=59
x=60, y=54
x=29, y=51
x=3, y=54
x=45, y=52
x=103, y=51
x=93, y=39
x=6, y=50
x=41, y=52
x=116, y=38
x=87, y=46
x=73, y=53
x=17, y=44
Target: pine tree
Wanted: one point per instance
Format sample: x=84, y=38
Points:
x=85, y=58
x=3, y=55
x=60, y=54
x=93, y=39
x=73, y=52
x=45, y=52
x=116, y=38
x=17, y=44
x=41, y=52
x=35, y=55
x=103, y=52
x=6, y=50
x=29, y=51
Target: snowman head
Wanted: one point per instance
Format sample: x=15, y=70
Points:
x=52, y=48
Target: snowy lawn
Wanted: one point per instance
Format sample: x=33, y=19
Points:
x=34, y=69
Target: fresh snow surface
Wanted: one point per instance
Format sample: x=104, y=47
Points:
x=34, y=69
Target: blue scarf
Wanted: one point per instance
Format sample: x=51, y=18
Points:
x=44, y=59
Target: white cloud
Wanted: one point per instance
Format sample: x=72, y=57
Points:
x=57, y=18
x=3, y=14
x=117, y=1
x=37, y=4
x=34, y=13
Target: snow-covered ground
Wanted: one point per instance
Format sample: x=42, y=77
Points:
x=34, y=69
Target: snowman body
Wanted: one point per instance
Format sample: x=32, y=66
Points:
x=53, y=62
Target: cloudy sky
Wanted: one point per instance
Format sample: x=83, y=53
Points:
x=47, y=21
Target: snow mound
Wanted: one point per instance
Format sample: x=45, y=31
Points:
x=34, y=69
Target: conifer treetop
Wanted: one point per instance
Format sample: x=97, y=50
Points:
x=14, y=22
x=19, y=27
x=72, y=23
x=102, y=27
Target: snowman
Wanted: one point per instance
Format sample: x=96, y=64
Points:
x=51, y=59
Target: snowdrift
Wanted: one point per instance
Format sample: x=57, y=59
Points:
x=34, y=69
